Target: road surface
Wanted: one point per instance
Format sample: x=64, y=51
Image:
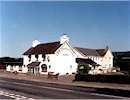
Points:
x=41, y=90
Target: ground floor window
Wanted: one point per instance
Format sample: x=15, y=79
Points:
x=31, y=70
x=44, y=67
x=83, y=69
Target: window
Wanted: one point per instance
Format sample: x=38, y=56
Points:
x=81, y=67
x=49, y=66
x=44, y=67
x=11, y=68
x=92, y=58
x=70, y=66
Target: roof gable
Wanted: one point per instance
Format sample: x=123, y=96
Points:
x=45, y=48
x=65, y=49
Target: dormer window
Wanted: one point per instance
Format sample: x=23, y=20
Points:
x=29, y=56
x=48, y=59
x=36, y=56
x=43, y=56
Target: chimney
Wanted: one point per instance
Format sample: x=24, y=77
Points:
x=64, y=38
x=35, y=43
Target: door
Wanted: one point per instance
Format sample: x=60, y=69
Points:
x=32, y=70
x=36, y=70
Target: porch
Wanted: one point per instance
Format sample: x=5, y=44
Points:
x=33, y=68
x=85, y=65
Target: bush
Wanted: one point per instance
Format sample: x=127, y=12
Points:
x=122, y=79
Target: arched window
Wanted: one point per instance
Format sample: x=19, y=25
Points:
x=44, y=67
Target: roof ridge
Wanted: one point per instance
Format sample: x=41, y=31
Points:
x=90, y=48
x=49, y=42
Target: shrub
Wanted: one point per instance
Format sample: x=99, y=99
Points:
x=122, y=79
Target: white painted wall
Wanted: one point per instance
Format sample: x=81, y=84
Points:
x=63, y=64
x=25, y=60
x=33, y=58
x=24, y=69
x=63, y=61
x=107, y=61
x=40, y=58
x=8, y=67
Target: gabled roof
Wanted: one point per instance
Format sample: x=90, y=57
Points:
x=45, y=48
x=92, y=52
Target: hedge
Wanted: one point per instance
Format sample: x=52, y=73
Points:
x=123, y=79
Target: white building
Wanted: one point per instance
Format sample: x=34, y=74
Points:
x=103, y=57
x=60, y=57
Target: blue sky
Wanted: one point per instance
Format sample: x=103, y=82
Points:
x=88, y=24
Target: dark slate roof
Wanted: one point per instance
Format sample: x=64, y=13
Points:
x=46, y=48
x=33, y=64
x=85, y=61
x=92, y=52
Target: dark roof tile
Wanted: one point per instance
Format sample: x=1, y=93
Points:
x=46, y=48
x=92, y=52
x=85, y=61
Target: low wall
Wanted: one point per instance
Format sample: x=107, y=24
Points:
x=122, y=79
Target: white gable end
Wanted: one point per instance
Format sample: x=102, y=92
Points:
x=65, y=50
x=108, y=59
x=109, y=53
